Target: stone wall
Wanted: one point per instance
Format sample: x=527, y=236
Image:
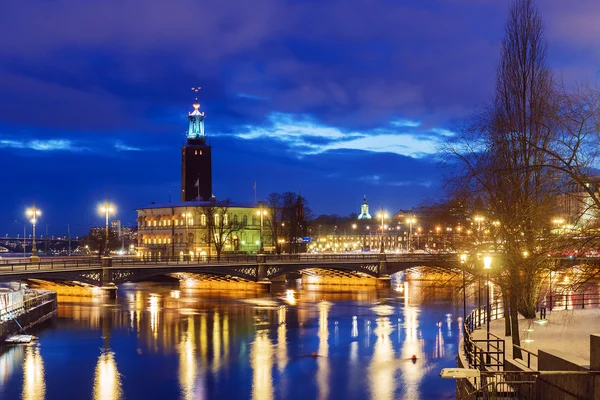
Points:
x=562, y=386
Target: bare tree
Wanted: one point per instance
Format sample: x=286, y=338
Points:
x=500, y=158
x=220, y=227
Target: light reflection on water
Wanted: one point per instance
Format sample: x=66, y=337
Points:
x=107, y=381
x=34, y=384
x=156, y=342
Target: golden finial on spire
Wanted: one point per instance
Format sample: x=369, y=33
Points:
x=196, y=89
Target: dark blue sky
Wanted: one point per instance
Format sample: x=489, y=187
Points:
x=343, y=98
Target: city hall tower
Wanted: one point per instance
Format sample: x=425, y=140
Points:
x=196, y=163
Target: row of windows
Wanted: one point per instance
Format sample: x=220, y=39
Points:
x=180, y=239
x=158, y=241
x=190, y=221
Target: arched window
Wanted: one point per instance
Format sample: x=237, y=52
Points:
x=225, y=219
x=254, y=220
x=245, y=220
x=235, y=219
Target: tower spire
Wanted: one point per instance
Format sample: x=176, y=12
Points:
x=196, y=122
x=364, y=210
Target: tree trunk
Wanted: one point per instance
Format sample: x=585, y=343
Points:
x=514, y=319
x=505, y=304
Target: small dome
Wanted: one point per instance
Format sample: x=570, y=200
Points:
x=196, y=104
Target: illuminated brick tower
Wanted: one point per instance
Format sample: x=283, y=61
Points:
x=196, y=163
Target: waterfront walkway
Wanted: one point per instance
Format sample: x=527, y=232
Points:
x=564, y=331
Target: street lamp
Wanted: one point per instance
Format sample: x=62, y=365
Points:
x=410, y=221
x=262, y=213
x=487, y=265
x=463, y=261
x=106, y=209
x=559, y=222
x=382, y=215
x=479, y=219
x=33, y=214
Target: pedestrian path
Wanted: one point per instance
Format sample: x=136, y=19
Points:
x=563, y=331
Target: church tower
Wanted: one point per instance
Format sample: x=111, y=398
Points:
x=196, y=162
x=364, y=210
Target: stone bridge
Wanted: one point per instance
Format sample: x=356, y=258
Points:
x=256, y=268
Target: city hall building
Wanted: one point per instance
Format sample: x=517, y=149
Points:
x=191, y=228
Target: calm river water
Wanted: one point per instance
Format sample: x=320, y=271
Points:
x=159, y=342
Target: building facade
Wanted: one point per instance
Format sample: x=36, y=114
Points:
x=195, y=229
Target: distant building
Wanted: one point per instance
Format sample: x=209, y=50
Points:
x=364, y=210
x=577, y=205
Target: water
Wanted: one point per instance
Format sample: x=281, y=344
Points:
x=159, y=342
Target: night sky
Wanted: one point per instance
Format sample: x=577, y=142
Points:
x=337, y=99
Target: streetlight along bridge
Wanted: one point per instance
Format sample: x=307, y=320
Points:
x=256, y=268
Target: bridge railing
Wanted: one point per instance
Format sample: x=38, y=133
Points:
x=50, y=265
x=20, y=265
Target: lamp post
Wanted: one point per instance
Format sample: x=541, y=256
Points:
x=410, y=221
x=382, y=215
x=262, y=213
x=106, y=209
x=463, y=261
x=487, y=265
x=33, y=214
x=559, y=222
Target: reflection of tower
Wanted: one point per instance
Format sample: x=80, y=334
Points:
x=196, y=162
x=187, y=361
x=323, y=361
x=364, y=210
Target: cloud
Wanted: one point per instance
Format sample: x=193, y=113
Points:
x=41, y=145
x=307, y=136
x=120, y=146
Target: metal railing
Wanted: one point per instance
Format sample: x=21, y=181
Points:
x=488, y=353
x=498, y=385
x=29, y=302
x=50, y=265
x=571, y=301
x=530, y=354
x=27, y=260
x=18, y=265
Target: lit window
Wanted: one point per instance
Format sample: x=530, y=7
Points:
x=191, y=221
x=176, y=222
x=169, y=222
x=203, y=220
x=168, y=240
x=225, y=219
x=154, y=223
x=217, y=219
